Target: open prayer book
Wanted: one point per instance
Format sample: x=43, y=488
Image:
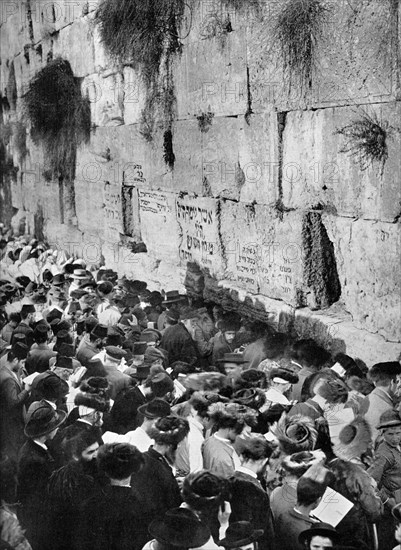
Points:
x=332, y=508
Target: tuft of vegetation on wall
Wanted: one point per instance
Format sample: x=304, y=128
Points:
x=59, y=115
x=366, y=141
x=297, y=31
x=145, y=34
x=205, y=121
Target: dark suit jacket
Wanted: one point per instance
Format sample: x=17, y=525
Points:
x=179, y=344
x=35, y=466
x=12, y=400
x=113, y=521
x=249, y=502
x=118, y=381
x=157, y=485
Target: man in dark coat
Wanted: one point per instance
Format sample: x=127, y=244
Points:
x=87, y=349
x=24, y=328
x=38, y=357
x=177, y=340
x=13, y=398
x=156, y=481
x=249, y=501
x=35, y=466
x=115, y=519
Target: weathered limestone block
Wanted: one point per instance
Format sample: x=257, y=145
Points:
x=188, y=166
x=70, y=11
x=356, y=60
x=106, y=99
x=157, y=211
x=241, y=160
x=43, y=17
x=89, y=202
x=335, y=330
x=134, y=91
x=23, y=73
x=75, y=43
x=199, y=219
x=368, y=265
x=264, y=254
x=14, y=29
x=219, y=87
x=315, y=172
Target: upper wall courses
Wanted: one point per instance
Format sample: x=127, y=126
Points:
x=315, y=172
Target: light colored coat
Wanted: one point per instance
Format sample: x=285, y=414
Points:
x=373, y=406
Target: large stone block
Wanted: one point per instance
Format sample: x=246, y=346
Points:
x=264, y=253
x=134, y=91
x=240, y=160
x=368, y=266
x=219, y=87
x=157, y=211
x=316, y=172
x=199, y=219
x=187, y=147
x=75, y=43
x=106, y=98
x=14, y=29
x=69, y=11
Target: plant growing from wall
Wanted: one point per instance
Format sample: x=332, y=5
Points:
x=59, y=116
x=146, y=35
x=297, y=31
x=205, y=121
x=366, y=140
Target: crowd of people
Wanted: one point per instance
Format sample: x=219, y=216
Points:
x=136, y=419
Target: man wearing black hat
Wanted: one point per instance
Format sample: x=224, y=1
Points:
x=39, y=356
x=152, y=411
x=27, y=317
x=177, y=340
x=249, y=501
x=118, y=381
x=35, y=467
x=117, y=520
x=319, y=536
x=13, y=398
x=87, y=350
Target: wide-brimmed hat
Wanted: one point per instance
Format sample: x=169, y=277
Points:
x=353, y=440
x=283, y=376
x=100, y=331
x=180, y=527
x=93, y=394
x=58, y=280
x=50, y=386
x=319, y=529
x=295, y=433
x=169, y=430
x=232, y=358
x=157, y=408
x=161, y=384
x=203, y=489
x=239, y=534
x=251, y=397
x=42, y=420
x=173, y=296
x=389, y=419
x=298, y=463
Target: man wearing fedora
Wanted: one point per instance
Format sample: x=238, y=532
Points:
x=35, y=466
x=177, y=340
x=319, y=537
x=115, y=520
x=173, y=301
x=151, y=412
x=179, y=528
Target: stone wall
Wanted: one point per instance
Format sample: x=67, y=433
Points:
x=261, y=202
